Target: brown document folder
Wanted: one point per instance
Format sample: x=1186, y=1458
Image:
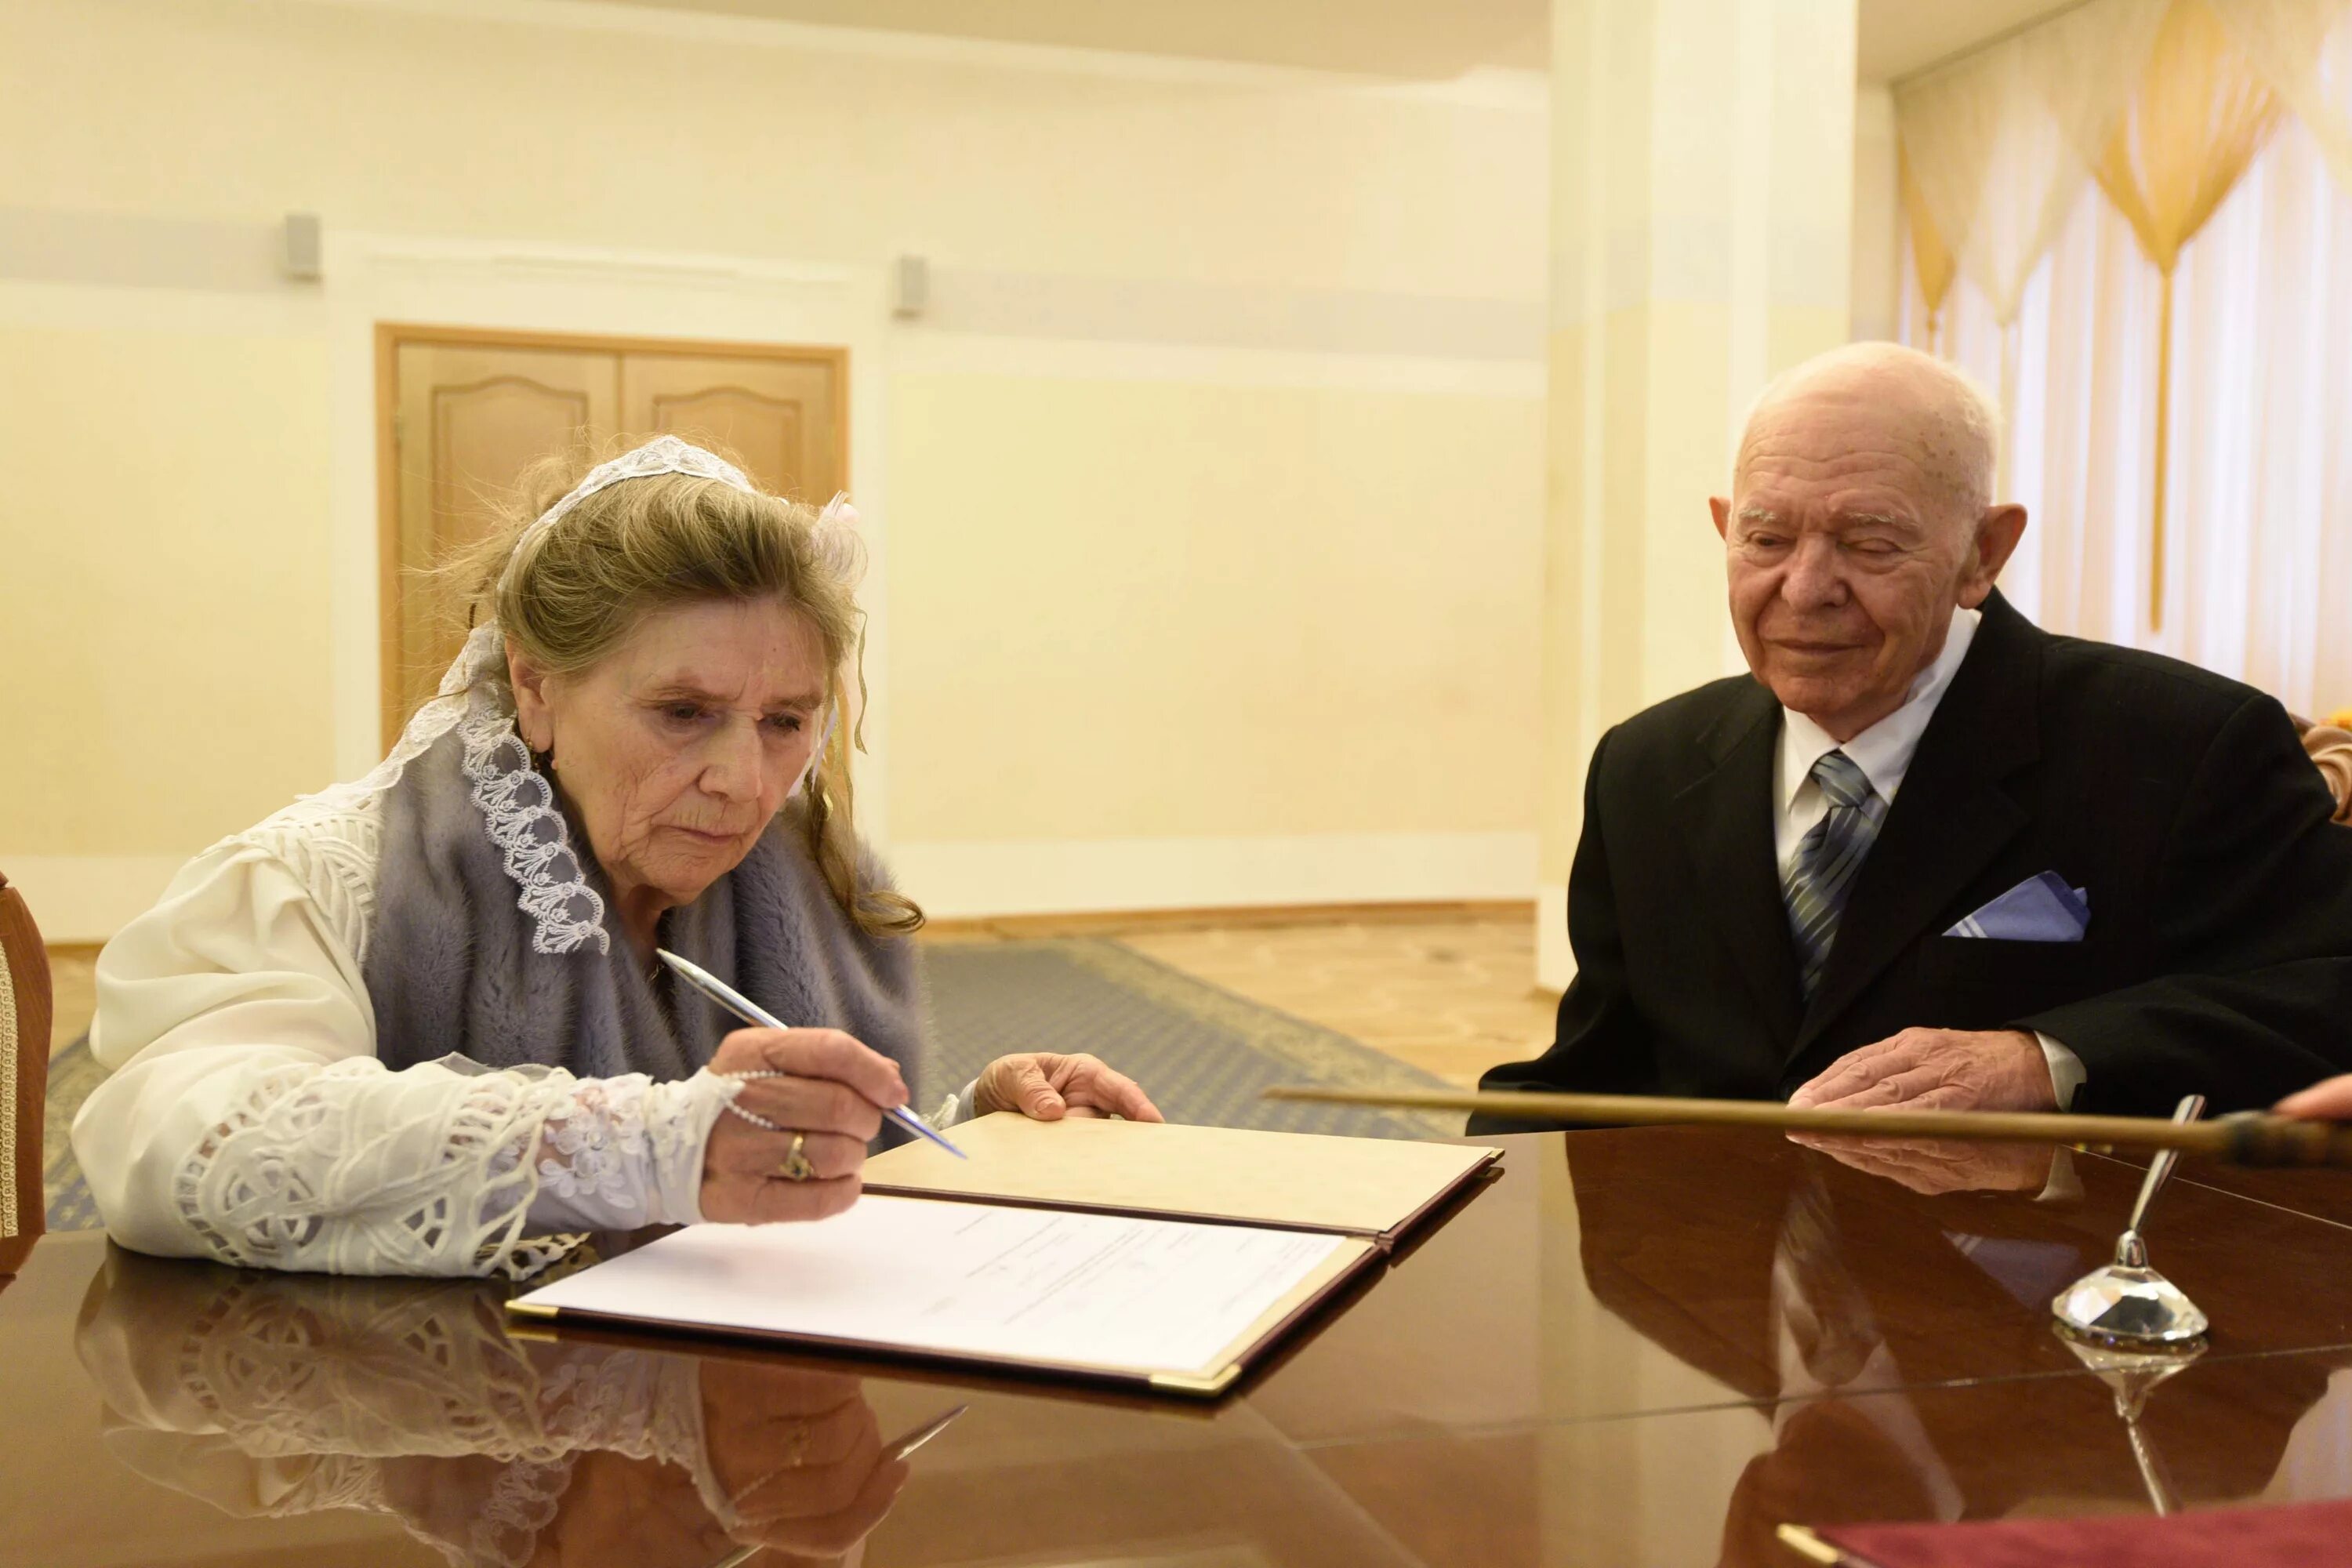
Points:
x=1378, y=1188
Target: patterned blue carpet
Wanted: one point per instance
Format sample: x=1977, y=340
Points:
x=1201, y=1052
x=72, y=1075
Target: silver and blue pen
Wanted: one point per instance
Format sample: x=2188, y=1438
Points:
x=750, y=1011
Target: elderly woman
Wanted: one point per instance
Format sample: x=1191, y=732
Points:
x=414, y=1024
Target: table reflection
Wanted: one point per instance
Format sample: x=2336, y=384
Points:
x=1824, y=1287
x=275, y=1395
x=1934, y=1166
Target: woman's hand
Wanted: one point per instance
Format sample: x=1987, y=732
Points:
x=1044, y=1087
x=2329, y=1100
x=834, y=1093
x=799, y=1456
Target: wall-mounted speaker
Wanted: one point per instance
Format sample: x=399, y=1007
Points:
x=300, y=251
x=911, y=286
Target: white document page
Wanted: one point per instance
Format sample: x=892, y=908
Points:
x=1017, y=1284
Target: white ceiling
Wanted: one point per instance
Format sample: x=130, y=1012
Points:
x=1410, y=39
x=1899, y=37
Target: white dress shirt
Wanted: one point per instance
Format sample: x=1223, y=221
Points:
x=1884, y=754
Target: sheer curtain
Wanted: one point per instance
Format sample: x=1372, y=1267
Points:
x=2257, y=541
x=2304, y=49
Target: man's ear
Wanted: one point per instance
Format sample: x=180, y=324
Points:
x=532, y=716
x=1721, y=507
x=1996, y=533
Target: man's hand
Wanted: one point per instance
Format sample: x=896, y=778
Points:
x=1937, y=1069
x=2329, y=1100
x=1044, y=1087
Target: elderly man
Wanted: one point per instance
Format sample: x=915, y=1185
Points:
x=1928, y=855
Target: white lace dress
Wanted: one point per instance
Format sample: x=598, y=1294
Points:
x=247, y=1120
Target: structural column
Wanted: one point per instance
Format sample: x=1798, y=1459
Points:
x=1703, y=157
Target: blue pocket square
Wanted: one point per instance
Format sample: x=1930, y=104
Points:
x=2039, y=908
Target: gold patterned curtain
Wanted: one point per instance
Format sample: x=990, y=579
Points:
x=2303, y=50
x=2199, y=115
x=1930, y=257
x=1999, y=147
x=2163, y=103
x=2224, y=180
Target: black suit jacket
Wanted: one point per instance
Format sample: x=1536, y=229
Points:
x=2219, y=955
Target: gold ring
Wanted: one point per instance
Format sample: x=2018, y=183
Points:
x=795, y=1166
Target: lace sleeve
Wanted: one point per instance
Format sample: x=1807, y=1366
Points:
x=351, y=1169
x=619, y=1153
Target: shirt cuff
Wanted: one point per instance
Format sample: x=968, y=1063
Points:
x=2066, y=1074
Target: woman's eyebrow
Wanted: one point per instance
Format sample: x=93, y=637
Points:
x=685, y=691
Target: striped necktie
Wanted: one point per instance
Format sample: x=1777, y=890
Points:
x=1821, y=874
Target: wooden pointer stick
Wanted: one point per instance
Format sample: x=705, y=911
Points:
x=2247, y=1138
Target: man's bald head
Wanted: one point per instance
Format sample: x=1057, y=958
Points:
x=1860, y=516
x=1950, y=424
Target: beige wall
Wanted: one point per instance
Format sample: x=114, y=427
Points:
x=759, y=141
x=160, y=618
x=1326, y=627
x=184, y=570
x=1243, y=583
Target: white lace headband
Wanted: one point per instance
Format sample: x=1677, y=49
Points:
x=668, y=454
x=662, y=455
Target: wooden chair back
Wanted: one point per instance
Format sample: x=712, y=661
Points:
x=25, y=1014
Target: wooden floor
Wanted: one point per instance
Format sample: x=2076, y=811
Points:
x=1449, y=989
x=77, y=997
x=1451, y=997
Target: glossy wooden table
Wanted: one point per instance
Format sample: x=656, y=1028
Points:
x=1642, y=1347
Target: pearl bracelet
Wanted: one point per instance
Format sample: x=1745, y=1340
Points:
x=753, y=1117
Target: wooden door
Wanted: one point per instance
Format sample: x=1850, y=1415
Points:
x=467, y=422
x=465, y=412
x=778, y=418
